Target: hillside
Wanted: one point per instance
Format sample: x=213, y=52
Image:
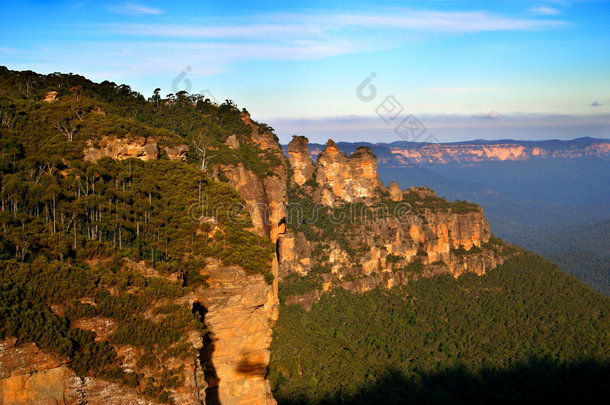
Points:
x=523, y=333
x=118, y=249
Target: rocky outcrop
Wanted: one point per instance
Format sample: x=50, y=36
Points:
x=391, y=237
x=50, y=97
x=265, y=198
x=239, y=311
x=349, y=179
x=395, y=191
x=232, y=142
x=29, y=375
x=294, y=254
x=300, y=160
x=144, y=148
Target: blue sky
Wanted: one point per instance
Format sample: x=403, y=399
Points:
x=466, y=69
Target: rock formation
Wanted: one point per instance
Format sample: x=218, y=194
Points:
x=242, y=308
x=29, y=375
x=349, y=179
x=50, y=97
x=382, y=237
x=144, y=148
x=395, y=191
x=300, y=160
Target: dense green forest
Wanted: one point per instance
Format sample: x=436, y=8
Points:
x=74, y=233
x=583, y=251
x=524, y=332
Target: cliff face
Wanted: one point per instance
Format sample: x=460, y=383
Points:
x=362, y=235
x=265, y=195
x=239, y=311
x=350, y=179
x=29, y=375
x=470, y=153
x=227, y=366
x=377, y=244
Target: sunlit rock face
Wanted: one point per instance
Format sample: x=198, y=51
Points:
x=240, y=310
x=395, y=191
x=300, y=160
x=143, y=148
x=472, y=153
x=178, y=152
x=350, y=179
x=29, y=375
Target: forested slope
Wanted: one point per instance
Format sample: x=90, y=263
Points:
x=524, y=332
x=116, y=241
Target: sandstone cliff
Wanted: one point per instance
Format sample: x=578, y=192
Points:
x=349, y=179
x=505, y=151
x=361, y=235
x=29, y=375
x=300, y=160
x=141, y=147
x=239, y=311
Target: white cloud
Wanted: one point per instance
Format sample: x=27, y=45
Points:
x=135, y=9
x=545, y=10
x=487, y=115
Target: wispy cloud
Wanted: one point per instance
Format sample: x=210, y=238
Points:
x=311, y=36
x=135, y=9
x=453, y=21
x=545, y=10
x=306, y=25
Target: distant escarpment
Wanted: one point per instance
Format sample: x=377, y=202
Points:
x=345, y=228
x=399, y=154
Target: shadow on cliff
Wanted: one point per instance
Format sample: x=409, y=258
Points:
x=205, y=359
x=534, y=382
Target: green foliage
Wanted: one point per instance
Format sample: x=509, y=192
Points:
x=445, y=336
x=391, y=258
x=435, y=203
x=295, y=284
x=74, y=235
